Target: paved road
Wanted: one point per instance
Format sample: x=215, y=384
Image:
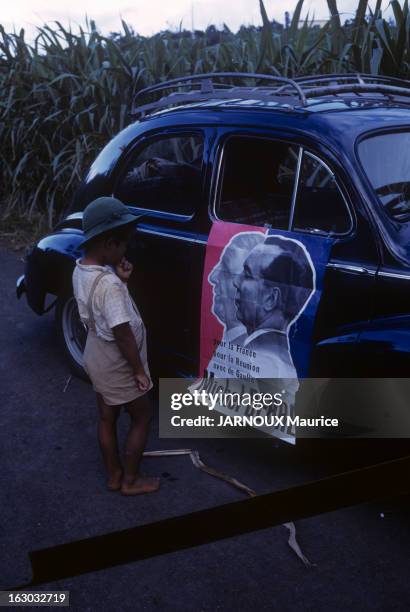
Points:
x=52, y=491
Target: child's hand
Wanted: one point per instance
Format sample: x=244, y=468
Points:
x=142, y=381
x=124, y=269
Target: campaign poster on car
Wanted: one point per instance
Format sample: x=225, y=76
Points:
x=260, y=293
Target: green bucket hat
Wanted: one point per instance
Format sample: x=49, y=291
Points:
x=103, y=214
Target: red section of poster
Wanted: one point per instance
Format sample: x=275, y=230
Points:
x=228, y=245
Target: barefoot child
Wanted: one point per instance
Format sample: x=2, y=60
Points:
x=115, y=355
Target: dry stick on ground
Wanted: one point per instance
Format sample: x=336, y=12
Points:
x=198, y=463
x=67, y=383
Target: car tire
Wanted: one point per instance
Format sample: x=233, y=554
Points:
x=72, y=334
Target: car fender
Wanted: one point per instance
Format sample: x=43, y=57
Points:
x=49, y=266
x=386, y=344
x=376, y=348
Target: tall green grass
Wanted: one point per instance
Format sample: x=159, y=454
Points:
x=63, y=96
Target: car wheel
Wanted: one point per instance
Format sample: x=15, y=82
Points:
x=72, y=334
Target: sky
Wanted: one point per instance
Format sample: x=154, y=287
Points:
x=150, y=16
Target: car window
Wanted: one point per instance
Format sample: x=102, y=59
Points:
x=257, y=182
x=165, y=175
x=389, y=173
x=320, y=206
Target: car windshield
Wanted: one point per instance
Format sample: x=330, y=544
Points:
x=386, y=161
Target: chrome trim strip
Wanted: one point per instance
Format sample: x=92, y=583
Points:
x=361, y=270
x=395, y=275
x=159, y=213
x=143, y=230
x=70, y=230
x=295, y=189
x=218, y=182
x=350, y=268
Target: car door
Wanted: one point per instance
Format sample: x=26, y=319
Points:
x=163, y=179
x=270, y=184
x=326, y=205
x=386, y=343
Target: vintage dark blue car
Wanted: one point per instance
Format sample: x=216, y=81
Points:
x=325, y=156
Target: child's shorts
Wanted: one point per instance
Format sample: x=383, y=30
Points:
x=109, y=371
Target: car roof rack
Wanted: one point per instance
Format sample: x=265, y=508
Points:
x=204, y=88
x=285, y=92
x=358, y=77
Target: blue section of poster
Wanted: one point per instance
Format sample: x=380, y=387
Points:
x=297, y=267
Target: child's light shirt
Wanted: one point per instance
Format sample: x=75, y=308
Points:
x=111, y=303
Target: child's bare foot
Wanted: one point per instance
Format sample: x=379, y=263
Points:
x=114, y=481
x=141, y=484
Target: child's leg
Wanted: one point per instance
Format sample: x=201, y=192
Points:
x=140, y=411
x=107, y=436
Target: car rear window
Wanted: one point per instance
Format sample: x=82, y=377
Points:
x=320, y=206
x=165, y=175
x=258, y=178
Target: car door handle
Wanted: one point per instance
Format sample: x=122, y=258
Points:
x=349, y=268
